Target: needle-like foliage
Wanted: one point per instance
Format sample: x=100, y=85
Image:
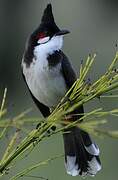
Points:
x=81, y=92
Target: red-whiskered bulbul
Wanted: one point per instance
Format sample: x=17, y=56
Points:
x=48, y=75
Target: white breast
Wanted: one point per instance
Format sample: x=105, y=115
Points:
x=46, y=84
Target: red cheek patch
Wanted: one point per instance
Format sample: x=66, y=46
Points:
x=41, y=35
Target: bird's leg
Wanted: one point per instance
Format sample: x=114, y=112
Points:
x=49, y=131
x=39, y=124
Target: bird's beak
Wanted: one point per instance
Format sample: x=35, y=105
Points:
x=62, y=32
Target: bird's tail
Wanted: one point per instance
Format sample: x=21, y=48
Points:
x=81, y=153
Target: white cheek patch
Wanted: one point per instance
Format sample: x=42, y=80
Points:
x=43, y=40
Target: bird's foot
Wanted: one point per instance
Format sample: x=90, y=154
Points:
x=49, y=131
x=39, y=125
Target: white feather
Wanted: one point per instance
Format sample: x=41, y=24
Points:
x=55, y=43
x=94, y=166
x=71, y=166
x=46, y=84
x=43, y=40
x=93, y=149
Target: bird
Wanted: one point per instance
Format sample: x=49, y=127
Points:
x=49, y=74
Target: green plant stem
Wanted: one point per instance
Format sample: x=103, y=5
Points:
x=80, y=93
x=27, y=170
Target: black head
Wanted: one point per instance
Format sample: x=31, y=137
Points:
x=47, y=29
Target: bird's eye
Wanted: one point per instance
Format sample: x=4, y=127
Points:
x=41, y=35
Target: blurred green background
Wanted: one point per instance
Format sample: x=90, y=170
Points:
x=94, y=28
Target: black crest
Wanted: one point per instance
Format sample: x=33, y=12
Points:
x=47, y=20
x=48, y=26
x=48, y=15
